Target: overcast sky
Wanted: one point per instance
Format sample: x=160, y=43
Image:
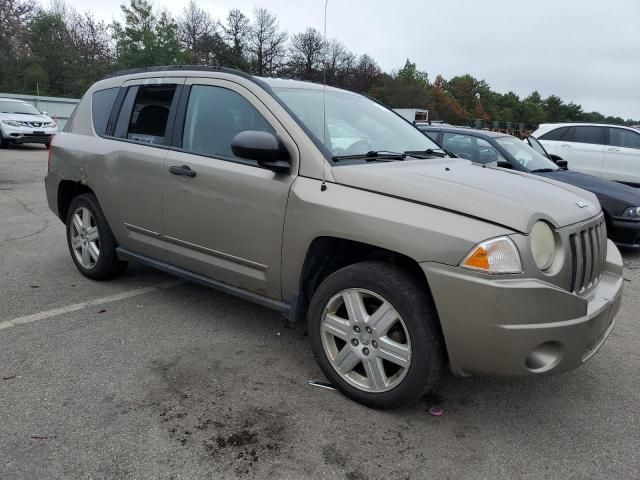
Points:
x=585, y=51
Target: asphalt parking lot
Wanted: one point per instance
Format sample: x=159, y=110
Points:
x=149, y=377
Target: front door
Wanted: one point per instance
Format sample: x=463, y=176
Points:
x=583, y=148
x=622, y=156
x=224, y=217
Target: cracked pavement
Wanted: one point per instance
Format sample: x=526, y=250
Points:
x=183, y=382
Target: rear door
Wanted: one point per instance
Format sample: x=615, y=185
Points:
x=128, y=177
x=622, y=156
x=225, y=221
x=583, y=148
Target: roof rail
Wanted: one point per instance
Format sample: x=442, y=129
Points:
x=172, y=68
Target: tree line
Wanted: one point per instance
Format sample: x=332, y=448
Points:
x=59, y=51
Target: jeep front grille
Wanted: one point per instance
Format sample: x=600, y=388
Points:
x=588, y=256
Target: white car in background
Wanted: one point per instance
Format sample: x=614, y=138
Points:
x=607, y=151
x=21, y=122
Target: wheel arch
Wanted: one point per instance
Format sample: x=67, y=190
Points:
x=327, y=254
x=67, y=191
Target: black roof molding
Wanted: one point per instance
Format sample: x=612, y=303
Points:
x=179, y=68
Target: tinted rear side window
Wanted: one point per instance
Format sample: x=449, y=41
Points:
x=101, y=105
x=624, y=138
x=592, y=135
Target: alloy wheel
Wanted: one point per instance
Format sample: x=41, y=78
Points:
x=365, y=340
x=85, y=239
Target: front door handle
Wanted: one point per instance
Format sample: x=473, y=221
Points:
x=613, y=149
x=182, y=170
x=564, y=145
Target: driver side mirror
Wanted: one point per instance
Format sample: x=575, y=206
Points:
x=263, y=147
x=555, y=158
x=503, y=164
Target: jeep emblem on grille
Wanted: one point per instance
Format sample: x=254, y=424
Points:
x=582, y=204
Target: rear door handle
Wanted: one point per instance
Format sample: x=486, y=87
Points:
x=613, y=149
x=182, y=170
x=564, y=145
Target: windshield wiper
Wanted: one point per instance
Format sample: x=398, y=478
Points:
x=438, y=152
x=542, y=170
x=373, y=155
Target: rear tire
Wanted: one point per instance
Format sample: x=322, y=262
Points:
x=394, y=347
x=90, y=240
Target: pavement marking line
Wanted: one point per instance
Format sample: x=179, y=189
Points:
x=89, y=303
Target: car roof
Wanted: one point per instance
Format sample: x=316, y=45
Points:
x=463, y=130
x=13, y=100
x=581, y=124
x=187, y=70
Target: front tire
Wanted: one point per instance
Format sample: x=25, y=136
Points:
x=4, y=143
x=375, y=334
x=91, y=243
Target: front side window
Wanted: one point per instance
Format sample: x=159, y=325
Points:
x=214, y=116
x=431, y=134
x=556, y=134
x=524, y=155
x=588, y=135
x=624, y=138
x=471, y=148
x=144, y=114
x=350, y=124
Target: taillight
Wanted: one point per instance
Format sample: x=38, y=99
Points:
x=49, y=154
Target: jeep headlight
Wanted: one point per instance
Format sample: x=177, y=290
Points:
x=632, y=212
x=498, y=255
x=543, y=245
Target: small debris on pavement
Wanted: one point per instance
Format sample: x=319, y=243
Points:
x=328, y=386
x=102, y=310
x=9, y=377
x=34, y=286
x=40, y=437
x=436, y=411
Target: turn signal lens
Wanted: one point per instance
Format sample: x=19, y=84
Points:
x=498, y=255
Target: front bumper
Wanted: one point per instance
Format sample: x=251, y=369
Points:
x=28, y=135
x=625, y=233
x=520, y=326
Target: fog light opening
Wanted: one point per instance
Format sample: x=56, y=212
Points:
x=544, y=357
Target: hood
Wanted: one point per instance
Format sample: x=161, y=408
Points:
x=504, y=197
x=21, y=117
x=614, y=197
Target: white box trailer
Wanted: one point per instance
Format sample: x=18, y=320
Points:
x=413, y=114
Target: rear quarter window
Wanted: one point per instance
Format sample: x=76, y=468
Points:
x=101, y=105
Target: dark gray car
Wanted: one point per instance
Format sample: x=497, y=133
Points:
x=620, y=203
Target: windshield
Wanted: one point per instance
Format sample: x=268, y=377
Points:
x=354, y=124
x=523, y=154
x=18, y=107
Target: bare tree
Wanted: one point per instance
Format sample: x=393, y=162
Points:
x=307, y=54
x=365, y=72
x=236, y=28
x=337, y=58
x=266, y=43
x=14, y=18
x=195, y=28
